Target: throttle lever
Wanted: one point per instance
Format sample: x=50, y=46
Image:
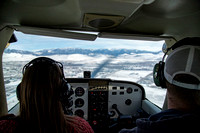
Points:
x=114, y=106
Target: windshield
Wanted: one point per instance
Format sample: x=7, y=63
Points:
x=129, y=60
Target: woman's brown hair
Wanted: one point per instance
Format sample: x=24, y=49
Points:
x=40, y=108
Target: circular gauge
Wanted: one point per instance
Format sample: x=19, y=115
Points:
x=129, y=90
x=79, y=91
x=128, y=102
x=79, y=113
x=79, y=102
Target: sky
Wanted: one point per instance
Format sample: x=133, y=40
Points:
x=33, y=43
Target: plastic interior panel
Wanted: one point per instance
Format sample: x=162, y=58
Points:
x=118, y=94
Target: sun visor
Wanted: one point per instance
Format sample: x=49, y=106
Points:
x=133, y=36
x=56, y=33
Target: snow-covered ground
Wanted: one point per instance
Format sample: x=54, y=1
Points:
x=130, y=67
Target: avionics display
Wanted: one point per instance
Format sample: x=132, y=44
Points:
x=98, y=85
x=98, y=105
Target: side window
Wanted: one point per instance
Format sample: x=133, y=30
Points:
x=153, y=93
x=12, y=77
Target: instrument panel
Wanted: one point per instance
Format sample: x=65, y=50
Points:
x=93, y=99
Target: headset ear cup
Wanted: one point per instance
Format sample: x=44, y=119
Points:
x=18, y=91
x=65, y=96
x=158, y=74
x=162, y=77
x=65, y=91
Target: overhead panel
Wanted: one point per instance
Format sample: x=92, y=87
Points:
x=39, y=3
x=41, y=13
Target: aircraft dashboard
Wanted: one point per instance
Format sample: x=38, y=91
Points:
x=102, y=102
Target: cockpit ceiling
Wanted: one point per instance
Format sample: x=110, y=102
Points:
x=177, y=18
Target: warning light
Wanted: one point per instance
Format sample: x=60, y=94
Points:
x=94, y=122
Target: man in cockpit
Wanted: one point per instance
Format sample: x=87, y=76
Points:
x=181, y=74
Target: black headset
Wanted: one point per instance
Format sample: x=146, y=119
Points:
x=65, y=91
x=158, y=70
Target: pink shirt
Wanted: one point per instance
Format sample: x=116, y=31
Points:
x=8, y=124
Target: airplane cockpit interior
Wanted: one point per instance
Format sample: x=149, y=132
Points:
x=108, y=49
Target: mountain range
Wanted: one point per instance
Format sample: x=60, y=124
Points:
x=67, y=51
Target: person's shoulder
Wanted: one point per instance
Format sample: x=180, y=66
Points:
x=169, y=120
x=79, y=124
x=166, y=114
x=8, y=123
x=83, y=125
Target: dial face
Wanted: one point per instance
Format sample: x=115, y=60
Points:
x=79, y=102
x=79, y=113
x=129, y=90
x=128, y=102
x=79, y=91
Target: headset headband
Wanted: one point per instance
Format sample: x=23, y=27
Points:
x=43, y=60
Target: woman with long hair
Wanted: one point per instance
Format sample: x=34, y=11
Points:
x=40, y=102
